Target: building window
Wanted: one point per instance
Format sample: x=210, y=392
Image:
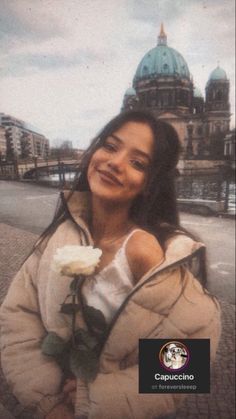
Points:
x=227, y=149
x=219, y=95
x=145, y=71
x=184, y=70
x=165, y=68
x=165, y=99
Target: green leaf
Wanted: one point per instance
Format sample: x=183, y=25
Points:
x=53, y=345
x=95, y=318
x=84, y=364
x=69, y=308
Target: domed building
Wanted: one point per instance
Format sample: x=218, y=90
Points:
x=163, y=84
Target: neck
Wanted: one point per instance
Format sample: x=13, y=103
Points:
x=109, y=220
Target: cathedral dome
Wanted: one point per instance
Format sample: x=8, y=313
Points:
x=197, y=93
x=218, y=74
x=162, y=61
x=130, y=92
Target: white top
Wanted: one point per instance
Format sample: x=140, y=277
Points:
x=107, y=290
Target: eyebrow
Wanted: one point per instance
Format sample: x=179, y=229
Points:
x=142, y=153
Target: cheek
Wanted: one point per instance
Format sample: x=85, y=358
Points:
x=91, y=170
x=95, y=160
x=138, y=182
x=98, y=157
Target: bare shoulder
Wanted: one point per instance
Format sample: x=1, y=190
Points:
x=143, y=252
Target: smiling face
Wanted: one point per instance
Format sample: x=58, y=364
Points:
x=118, y=170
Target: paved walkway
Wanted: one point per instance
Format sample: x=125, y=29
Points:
x=219, y=404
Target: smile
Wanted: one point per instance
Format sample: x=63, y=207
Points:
x=109, y=178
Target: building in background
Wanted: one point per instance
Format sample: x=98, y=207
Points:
x=34, y=144
x=13, y=133
x=229, y=147
x=67, y=144
x=163, y=84
x=21, y=139
x=3, y=145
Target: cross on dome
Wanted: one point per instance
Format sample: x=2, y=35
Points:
x=162, y=38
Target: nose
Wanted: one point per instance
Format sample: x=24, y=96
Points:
x=117, y=161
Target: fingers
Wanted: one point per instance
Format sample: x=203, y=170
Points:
x=70, y=385
x=70, y=398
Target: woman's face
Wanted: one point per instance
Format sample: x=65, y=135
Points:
x=118, y=171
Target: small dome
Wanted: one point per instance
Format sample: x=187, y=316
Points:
x=130, y=92
x=162, y=61
x=218, y=74
x=197, y=92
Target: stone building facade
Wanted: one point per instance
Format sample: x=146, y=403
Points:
x=3, y=145
x=21, y=140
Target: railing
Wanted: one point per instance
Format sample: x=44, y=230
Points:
x=215, y=190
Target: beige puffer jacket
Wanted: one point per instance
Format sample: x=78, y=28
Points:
x=31, y=309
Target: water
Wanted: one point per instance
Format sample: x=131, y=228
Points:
x=69, y=177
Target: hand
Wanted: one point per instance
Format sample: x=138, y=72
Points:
x=60, y=411
x=69, y=391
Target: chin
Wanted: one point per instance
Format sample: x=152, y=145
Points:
x=106, y=196
x=109, y=197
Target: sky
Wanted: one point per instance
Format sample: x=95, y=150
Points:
x=66, y=64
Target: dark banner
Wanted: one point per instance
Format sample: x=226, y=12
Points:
x=174, y=366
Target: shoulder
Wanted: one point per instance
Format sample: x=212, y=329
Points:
x=143, y=253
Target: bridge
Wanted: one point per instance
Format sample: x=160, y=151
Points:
x=36, y=168
x=27, y=168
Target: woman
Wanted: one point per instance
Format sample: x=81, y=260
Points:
x=122, y=202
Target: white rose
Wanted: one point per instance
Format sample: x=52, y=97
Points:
x=76, y=260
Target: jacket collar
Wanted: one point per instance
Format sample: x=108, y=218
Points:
x=178, y=248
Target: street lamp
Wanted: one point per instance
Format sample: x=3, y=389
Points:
x=46, y=158
x=35, y=158
x=15, y=163
x=189, y=148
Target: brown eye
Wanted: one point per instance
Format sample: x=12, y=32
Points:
x=139, y=165
x=109, y=147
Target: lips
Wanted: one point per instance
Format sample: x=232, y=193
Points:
x=108, y=177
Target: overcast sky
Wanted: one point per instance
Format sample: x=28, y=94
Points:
x=65, y=64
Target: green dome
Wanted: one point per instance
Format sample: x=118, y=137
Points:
x=162, y=61
x=218, y=74
x=130, y=92
x=197, y=92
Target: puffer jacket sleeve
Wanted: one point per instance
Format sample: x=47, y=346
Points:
x=33, y=377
